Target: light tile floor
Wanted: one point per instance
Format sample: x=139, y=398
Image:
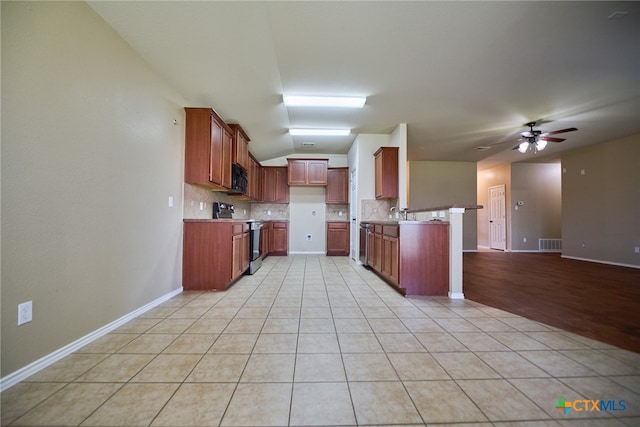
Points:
x=313, y=340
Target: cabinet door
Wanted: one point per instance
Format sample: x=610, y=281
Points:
x=317, y=172
x=268, y=184
x=337, y=239
x=390, y=258
x=386, y=173
x=216, y=154
x=237, y=247
x=377, y=252
x=280, y=239
x=227, y=147
x=337, y=186
x=297, y=172
x=281, y=185
x=246, y=247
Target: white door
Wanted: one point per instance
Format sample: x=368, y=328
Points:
x=497, y=222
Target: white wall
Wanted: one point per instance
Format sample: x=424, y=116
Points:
x=307, y=216
x=90, y=156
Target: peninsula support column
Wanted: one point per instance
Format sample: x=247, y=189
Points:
x=455, y=253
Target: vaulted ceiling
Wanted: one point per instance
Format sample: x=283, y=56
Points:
x=460, y=74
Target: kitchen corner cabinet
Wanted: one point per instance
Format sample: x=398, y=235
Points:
x=240, y=146
x=338, y=238
x=308, y=171
x=386, y=173
x=274, y=184
x=413, y=256
x=208, y=146
x=337, y=192
x=215, y=254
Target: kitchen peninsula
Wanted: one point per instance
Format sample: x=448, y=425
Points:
x=455, y=243
x=418, y=257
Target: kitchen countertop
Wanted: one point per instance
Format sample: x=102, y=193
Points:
x=442, y=208
x=232, y=220
x=400, y=222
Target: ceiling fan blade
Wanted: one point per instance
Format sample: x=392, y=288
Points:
x=560, y=131
x=551, y=139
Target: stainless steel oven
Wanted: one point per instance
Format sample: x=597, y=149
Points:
x=255, y=256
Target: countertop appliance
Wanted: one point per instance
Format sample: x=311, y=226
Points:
x=255, y=254
x=364, y=244
x=223, y=211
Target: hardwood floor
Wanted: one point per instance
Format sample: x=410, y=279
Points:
x=595, y=300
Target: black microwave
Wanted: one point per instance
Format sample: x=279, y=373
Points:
x=238, y=179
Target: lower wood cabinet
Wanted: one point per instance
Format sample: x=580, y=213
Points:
x=279, y=238
x=215, y=254
x=413, y=257
x=274, y=238
x=338, y=238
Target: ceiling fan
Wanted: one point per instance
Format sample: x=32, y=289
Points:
x=536, y=140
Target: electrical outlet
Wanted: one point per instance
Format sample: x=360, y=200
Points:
x=524, y=240
x=309, y=237
x=25, y=312
x=637, y=249
x=170, y=202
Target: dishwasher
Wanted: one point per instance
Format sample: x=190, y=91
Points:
x=364, y=243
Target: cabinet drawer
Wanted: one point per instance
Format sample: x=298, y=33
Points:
x=391, y=230
x=240, y=228
x=377, y=229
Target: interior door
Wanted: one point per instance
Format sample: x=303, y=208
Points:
x=355, y=228
x=497, y=221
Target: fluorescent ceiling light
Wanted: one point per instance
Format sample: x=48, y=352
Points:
x=324, y=101
x=320, y=132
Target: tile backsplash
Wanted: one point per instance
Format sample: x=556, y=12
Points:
x=377, y=210
x=195, y=195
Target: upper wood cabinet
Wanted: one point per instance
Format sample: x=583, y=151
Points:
x=274, y=184
x=308, y=171
x=255, y=178
x=208, y=145
x=240, y=146
x=337, y=186
x=386, y=173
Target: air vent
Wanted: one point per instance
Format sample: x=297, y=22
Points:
x=308, y=144
x=482, y=148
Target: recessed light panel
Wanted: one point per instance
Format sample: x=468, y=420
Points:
x=319, y=132
x=324, y=101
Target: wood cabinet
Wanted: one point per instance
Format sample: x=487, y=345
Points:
x=307, y=171
x=338, y=238
x=274, y=184
x=208, y=146
x=265, y=238
x=215, y=253
x=413, y=257
x=386, y=173
x=240, y=153
x=279, y=238
x=337, y=191
x=255, y=179
x=274, y=238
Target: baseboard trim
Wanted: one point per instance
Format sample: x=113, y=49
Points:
x=306, y=253
x=456, y=295
x=34, y=367
x=599, y=261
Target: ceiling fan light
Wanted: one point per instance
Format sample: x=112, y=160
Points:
x=541, y=144
x=523, y=147
x=319, y=132
x=324, y=101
